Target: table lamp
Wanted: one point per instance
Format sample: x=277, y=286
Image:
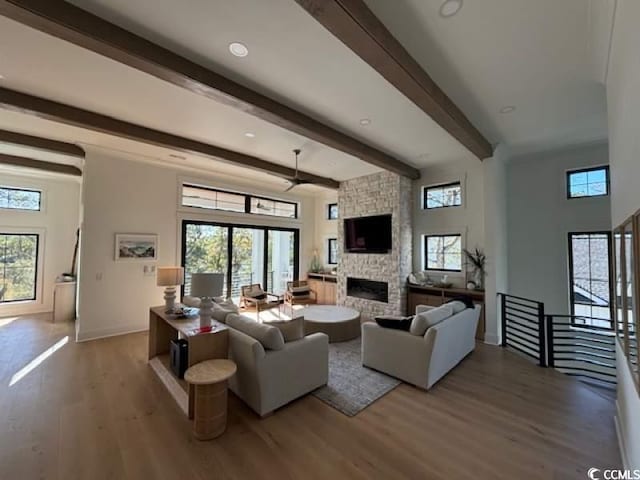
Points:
x=206, y=286
x=170, y=277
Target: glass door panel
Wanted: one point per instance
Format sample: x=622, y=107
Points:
x=205, y=251
x=281, y=260
x=247, y=258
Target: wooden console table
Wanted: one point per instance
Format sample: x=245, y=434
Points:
x=202, y=346
x=324, y=284
x=436, y=296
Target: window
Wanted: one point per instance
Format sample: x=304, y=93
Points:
x=20, y=199
x=18, y=266
x=443, y=252
x=245, y=254
x=588, y=182
x=440, y=196
x=589, y=272
x=332, y=248
x=213, y=199
x=332, y=211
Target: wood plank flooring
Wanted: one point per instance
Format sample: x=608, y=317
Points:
x=96, y=411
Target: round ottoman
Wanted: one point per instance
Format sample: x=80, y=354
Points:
x=340, y=323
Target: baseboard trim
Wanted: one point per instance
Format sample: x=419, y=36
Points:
x=620, y=434
x=108, y=332
x=491, y=339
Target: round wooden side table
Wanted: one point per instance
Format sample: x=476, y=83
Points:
x=210, y=404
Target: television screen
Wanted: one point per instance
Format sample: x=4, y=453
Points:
x=368, y=234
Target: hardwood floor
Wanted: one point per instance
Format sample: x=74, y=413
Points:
x=95, y=410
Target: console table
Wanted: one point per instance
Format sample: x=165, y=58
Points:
x=324, y=284
x=436, y=296
x=202, y=346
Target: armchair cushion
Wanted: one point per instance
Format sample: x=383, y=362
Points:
x=291, y=330
x=422, y=321
x=269, y=336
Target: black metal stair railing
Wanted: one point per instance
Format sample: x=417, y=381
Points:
x=523, y=326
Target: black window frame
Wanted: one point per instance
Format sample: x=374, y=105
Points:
x=612, y=279
x=230, y=227
x=426, y=252
x=35, y=270
x=329, y=217
x=247, y=202
x=425, y=194
x=30, y=190
x=329, y=250
x=587, y=170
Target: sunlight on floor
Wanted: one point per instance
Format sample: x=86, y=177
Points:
x=23, y=372
x=274, y=314
x=7, y=321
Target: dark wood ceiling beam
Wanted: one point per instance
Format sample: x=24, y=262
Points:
x=26, y=162
x=355, y=25
x=70, y=23
x=39, y=143
x=67, y=114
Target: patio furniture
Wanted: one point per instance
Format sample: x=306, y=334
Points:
x=299, y=293
x=253, y=297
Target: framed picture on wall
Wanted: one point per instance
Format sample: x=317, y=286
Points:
x=136, y=247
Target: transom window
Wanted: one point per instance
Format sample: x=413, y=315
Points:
x=214, y=199
x=332, y=211
x=333, y=251
x=18, y=266
x=20, y=198
x=443, y=252
x=588, y=182
x=440, y=196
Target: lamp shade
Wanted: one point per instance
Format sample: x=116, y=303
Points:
x=170, y=276
x=206, y=285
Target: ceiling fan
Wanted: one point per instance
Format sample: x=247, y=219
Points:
x=296, y=180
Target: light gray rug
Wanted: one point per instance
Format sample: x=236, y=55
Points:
x=351, y=386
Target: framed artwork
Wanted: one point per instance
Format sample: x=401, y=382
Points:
x=136, y=247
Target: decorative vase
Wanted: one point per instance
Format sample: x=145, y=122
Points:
x=478, y=278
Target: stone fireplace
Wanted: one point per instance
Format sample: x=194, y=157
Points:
x=377, y=194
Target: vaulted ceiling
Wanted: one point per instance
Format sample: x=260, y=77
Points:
x=536, y=56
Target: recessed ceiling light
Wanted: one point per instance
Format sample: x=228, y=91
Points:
x=450, y=7
x=365, y=121
x=507, y=109
x=238, y=49
x=250, y=135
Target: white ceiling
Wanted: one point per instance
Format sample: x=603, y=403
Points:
x=531, y=54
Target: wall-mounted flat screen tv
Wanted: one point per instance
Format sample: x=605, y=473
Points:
x=368, y=234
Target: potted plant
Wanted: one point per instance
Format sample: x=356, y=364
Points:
x=476, y=259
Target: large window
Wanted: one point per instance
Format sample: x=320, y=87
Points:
x=443, y=252
x=18, y=266
x=588, y=182
x=245, y=254
x=20, y=198
x=590, y=271
x=213, y=199
x=440, y=196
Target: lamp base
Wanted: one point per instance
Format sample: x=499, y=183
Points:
x=169, y=299
x=206, y=310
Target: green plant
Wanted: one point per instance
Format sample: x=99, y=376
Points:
x=476, y=258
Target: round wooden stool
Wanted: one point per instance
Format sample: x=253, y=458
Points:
x=210, y=404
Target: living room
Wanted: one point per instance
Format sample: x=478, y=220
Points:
x=317, y=238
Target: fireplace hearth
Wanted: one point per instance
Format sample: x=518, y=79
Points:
x=368, y=289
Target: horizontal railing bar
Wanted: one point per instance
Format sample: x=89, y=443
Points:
x=515, y=315
x=532, y=350
x=530, y=330
x=534, y=356
x=562, y=358
x=524, y=339
x=582, y=345
x=510, y=309
x=594, y=340
x=533, y=307
x=507, y=296
x=586, y=374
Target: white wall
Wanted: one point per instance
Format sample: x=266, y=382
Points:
x=540, y=217
x=325, y=228
x=467, y=219
x=124, y=196
x=623, y=103
x=56, y=223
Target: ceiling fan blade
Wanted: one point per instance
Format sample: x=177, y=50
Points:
x=291, y=186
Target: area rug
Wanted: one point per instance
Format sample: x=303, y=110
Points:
x=352, y=387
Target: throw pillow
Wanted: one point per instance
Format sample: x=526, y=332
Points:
x=397, y=323
x=221, y=310
x=301, y=288
x=270, y=337
x=422, y=321
x=466, y=299
x=291, y=330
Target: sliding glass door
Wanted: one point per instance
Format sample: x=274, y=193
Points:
x=245, y=254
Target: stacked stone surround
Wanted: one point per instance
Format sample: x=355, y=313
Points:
x=378, y=194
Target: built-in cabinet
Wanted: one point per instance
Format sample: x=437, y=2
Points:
x=434, y=296
x=325, y=286
x=64, y=302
